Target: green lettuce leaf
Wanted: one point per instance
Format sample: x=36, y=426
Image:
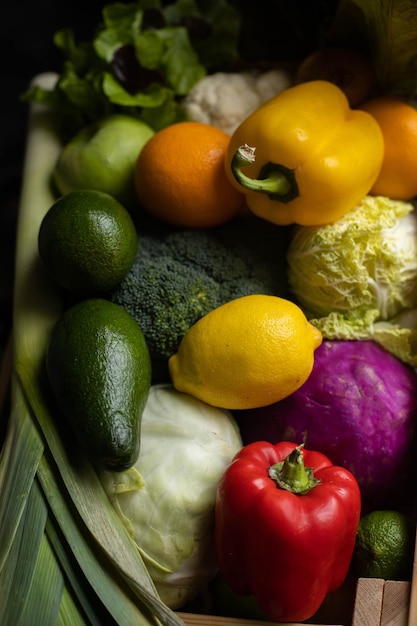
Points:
x=142, y=60
x=223, y=23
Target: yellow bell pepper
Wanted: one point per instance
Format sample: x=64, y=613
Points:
x=308, y=158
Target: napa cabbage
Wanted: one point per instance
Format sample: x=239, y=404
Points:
x=356, y=278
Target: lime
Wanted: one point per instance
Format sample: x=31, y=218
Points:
x=87, y=241
x=384, y=546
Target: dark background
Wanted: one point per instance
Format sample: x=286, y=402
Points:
x=26, y=49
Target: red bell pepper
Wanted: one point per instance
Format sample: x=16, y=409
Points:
x=285, y=527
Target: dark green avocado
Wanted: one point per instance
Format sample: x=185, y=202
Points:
x=99, y=370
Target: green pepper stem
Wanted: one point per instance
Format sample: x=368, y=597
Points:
x=292, y=475
x=275, y=180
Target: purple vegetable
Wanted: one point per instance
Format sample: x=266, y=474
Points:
x=358, y=407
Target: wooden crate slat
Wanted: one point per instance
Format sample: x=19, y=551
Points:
x=395, y=603
x=412, y=613
x=368, y=602
x=197, y=619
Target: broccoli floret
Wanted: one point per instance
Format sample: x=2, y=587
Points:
x=180, y=275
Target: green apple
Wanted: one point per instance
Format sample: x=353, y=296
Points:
x=102, y=156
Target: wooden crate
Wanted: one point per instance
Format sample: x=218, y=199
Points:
x=376, y=603
x=371, y=602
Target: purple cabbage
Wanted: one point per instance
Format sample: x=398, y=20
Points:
x=358, y=407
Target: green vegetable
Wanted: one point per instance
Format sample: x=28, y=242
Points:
x=180, y=275
x=141, y=60
x=167, y=500
x=356, y=278
x=102, y=156
x=65, y=556
x=144, y=57
x=99, y=370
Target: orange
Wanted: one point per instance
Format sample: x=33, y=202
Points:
x=180, y=176
x=398, y=121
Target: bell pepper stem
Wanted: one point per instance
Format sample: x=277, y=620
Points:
x=275, y=180
x=292, y=475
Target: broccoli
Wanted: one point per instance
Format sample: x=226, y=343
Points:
x=180, y=275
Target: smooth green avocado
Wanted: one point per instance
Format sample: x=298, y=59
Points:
x=99, y=370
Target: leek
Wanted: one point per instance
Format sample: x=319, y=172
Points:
x=65, y=555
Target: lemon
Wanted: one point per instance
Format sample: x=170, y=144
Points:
x=250, y=352
x=384, y=546
x=87, y=241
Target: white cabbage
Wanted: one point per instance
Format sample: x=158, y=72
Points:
x=167, y=499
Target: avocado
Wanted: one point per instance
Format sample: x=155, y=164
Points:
x=99, y=371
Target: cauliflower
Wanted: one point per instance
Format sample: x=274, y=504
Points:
x=226, y=99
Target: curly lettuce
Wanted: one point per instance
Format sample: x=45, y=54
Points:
x=141, y=60
x=357, y=278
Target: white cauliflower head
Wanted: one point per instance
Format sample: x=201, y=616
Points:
x=225, y=99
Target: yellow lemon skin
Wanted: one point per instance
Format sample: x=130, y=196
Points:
x=248, y=353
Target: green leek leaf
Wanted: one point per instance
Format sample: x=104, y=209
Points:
x=44, y=594
x=103, y=583
x=19, y=460
x=21, y=578
x=79, y=596
x=69, y=614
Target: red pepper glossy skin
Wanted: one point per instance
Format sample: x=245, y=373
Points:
x=288, y=550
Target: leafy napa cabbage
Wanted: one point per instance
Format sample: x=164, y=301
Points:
x=357, y=278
